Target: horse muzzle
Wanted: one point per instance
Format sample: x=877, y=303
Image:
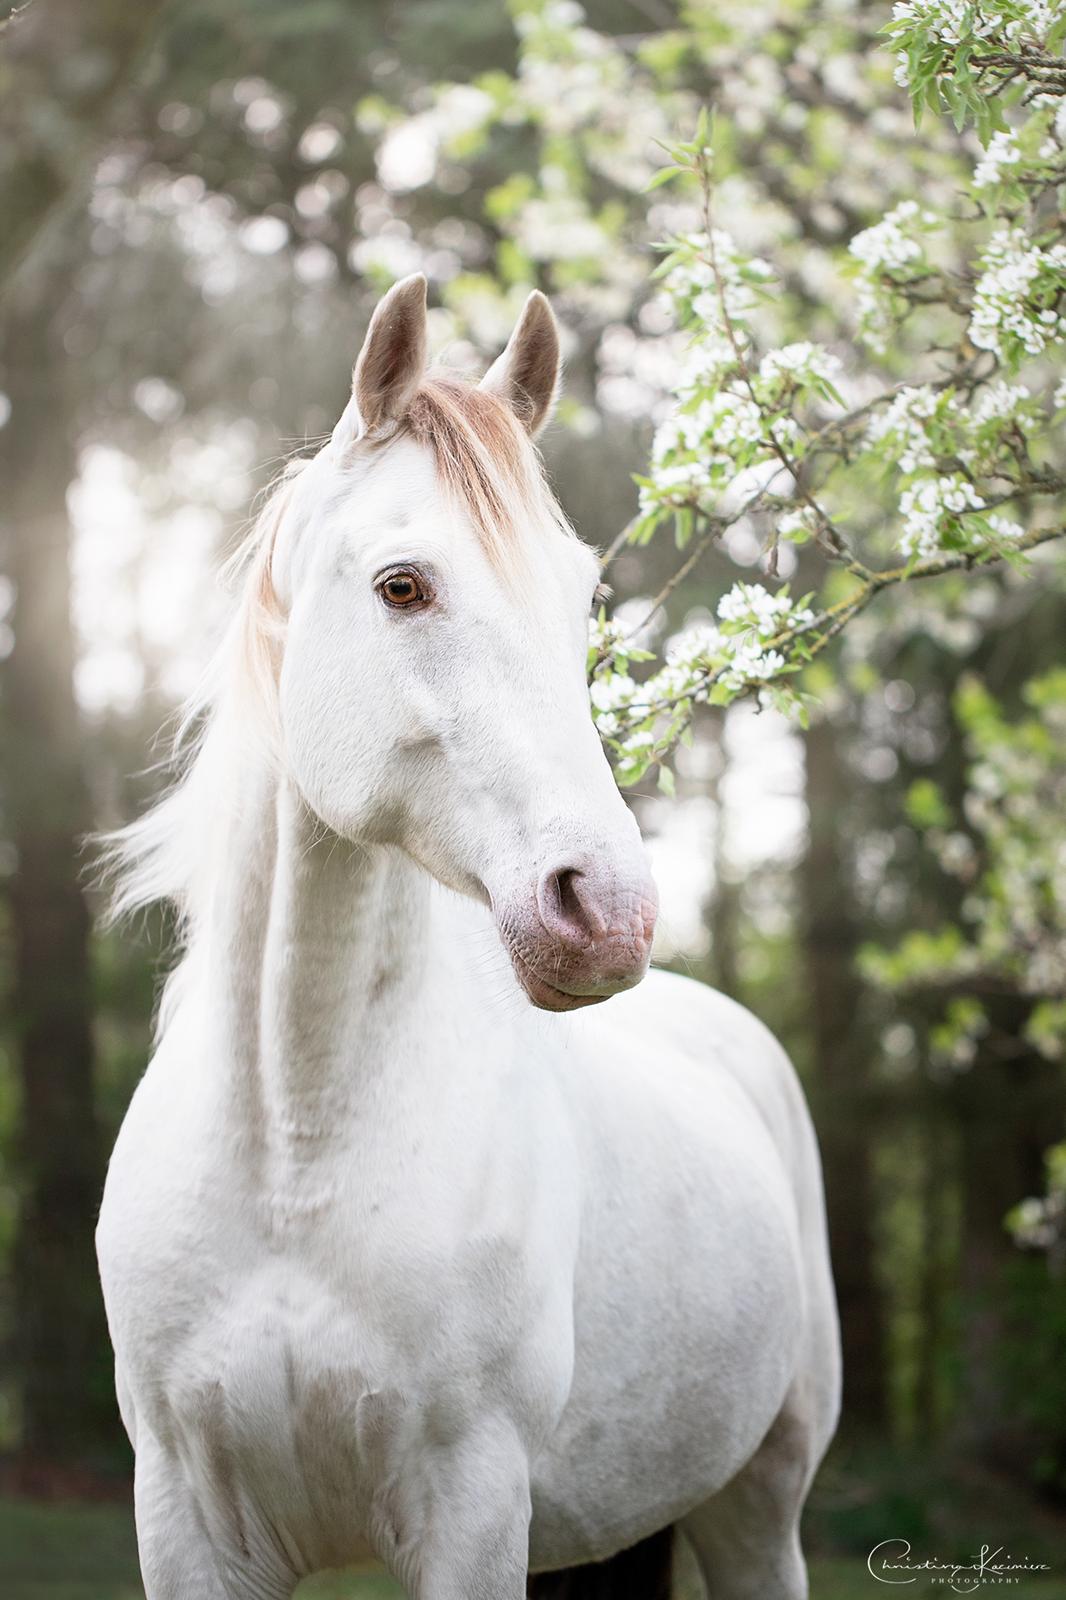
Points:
x=583, y=933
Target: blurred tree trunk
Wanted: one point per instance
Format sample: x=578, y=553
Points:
x=938, y=1257
x=1008, y=1109
x=724, y=918
x=62, y=63
x=841, y=1052
x=63, y=66
x=60, y=1334
x=723, y=908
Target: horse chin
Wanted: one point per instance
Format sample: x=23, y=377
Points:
x=546, y=997
x=589, y=989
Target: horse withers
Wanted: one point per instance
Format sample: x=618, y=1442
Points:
x=410, y=1246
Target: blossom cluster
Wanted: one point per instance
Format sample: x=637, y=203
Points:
x=939, y=514
x=1017, y=296
x=739, y=431
x=1002, y=151
x=696, y=453
x=888, y=255
x=799, y=365
x=937, y=41
x=929, y=434
x=710, y=279
x=750, y=646
x=954, y=22
x=732, y=411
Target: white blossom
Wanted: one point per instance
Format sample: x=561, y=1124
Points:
x=695, y=643
x=1004, y=316
x=726, y=283
x=612, y=691
x=888, y=246
x=932, y=507
x=1002, y=152
x=950, y=22
x=642, y=739
x=802, y=360
x=904, y=425
x=751, y=662
x=605, y=634
x=765, y=613
x=927, y=505
x=1003, y=402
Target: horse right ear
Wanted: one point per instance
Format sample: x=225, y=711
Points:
x=526, y=375
x=391, y=363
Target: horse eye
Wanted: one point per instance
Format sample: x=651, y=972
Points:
x=402, y=589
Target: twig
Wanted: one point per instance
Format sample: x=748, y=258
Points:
x=834, y=619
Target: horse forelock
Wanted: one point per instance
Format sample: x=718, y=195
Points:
x=485, y=461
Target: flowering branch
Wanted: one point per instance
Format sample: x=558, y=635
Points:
x=749, y=435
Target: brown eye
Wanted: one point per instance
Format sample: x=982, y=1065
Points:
x=402, y=589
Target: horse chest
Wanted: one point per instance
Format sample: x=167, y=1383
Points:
x=292, y=1405
x=293, y=1355
x=259, y=1403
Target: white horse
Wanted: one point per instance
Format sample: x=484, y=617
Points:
x=397, y=1263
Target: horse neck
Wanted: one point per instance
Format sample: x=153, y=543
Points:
x=341, y=949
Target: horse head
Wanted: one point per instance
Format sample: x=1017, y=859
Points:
x=432, y=685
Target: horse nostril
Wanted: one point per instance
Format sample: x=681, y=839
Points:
x=568, y=905
x=567, y=894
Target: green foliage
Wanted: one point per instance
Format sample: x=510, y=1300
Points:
x=1031, y=1366
x=1041, y=1222
x=1009, y=856
x=925, y=805
x=958, y=57
x=919, y=957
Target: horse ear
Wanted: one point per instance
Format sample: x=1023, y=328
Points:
x=392, y=360
x=526, y=375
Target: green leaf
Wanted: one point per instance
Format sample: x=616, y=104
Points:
x=684, y=525
x=664, y=175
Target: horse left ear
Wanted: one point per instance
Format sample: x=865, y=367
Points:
x=526, y=375
x=391, y=363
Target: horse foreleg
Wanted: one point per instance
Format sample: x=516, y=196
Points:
x=178, y=1559
x=458, y=1520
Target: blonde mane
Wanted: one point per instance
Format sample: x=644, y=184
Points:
x=487, y=464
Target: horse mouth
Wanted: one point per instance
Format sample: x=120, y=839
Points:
x=546, y=996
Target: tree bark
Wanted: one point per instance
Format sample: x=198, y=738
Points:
x=841, y=1057
x=60, y=1337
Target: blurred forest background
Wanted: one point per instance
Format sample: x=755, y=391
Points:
x=201, y=202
